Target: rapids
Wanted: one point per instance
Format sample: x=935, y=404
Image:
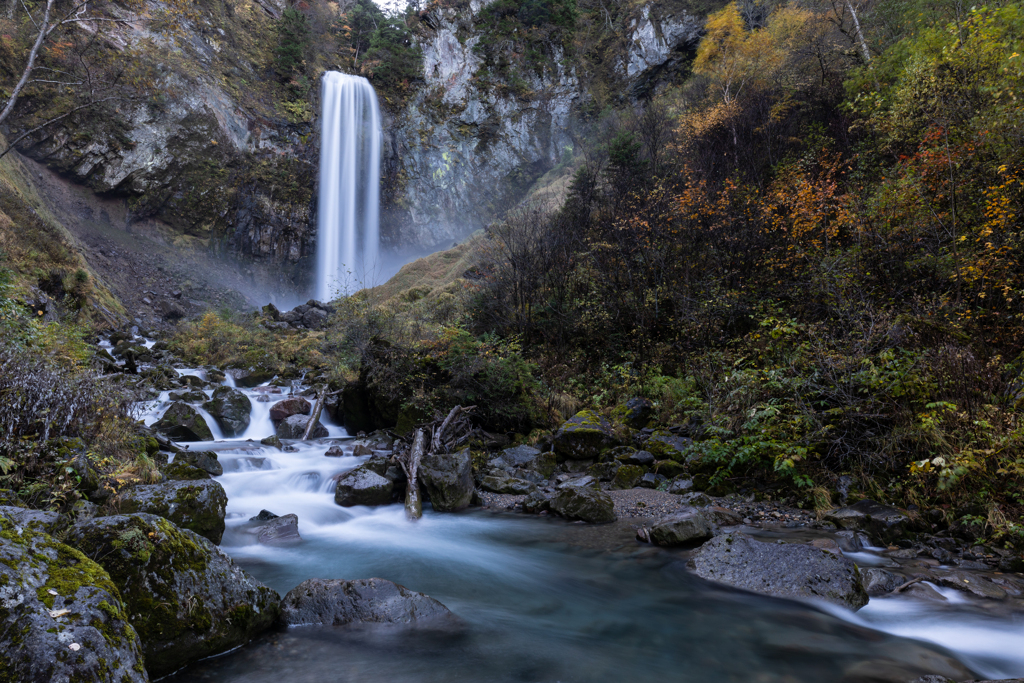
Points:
x=546, y=600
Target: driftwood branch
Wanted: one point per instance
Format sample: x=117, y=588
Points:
x=438, y=442
x=315, y=418
x=413, y=503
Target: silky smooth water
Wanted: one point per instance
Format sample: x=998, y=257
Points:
x=348, y=231
x=545, y=600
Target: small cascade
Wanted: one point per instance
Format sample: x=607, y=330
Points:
x=348, y=237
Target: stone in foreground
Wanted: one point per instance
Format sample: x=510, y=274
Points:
x=184, y=596
x=363, y=486
x=195, y=505
x=335, y=603
x=688, y=526
x=589, y=505
x=787, y=570
x=61, y=617
x=448, y=480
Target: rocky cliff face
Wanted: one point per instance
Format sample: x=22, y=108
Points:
x=215, y=157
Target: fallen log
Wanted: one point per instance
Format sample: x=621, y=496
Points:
x=413, y=503
x=316, y=413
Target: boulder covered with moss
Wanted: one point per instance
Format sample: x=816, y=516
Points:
x=37, y=520
x=181, y=422
x=583, y=503
x=186, y=598
x=448, y=480
x=194, y=505
x=584, y=436
x=61, y=616
x=204, y=460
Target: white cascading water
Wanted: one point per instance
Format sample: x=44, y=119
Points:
x=348, y=231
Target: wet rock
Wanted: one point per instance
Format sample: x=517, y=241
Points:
x=335, y=451
x=641, y=458
x=627, y=476
x=448, y=480
x=723, y=516
x=971, y=582
x=61, y=616
x=883, y=522
x=363, y=486
x=251, y=377
x=604, y=471
x=204, y=460
x=584, y=436
x=185, y=597
x=271, y=311
x=361, y=449
x=294, y=427
x=283, y=529
x=295, y=405
x=378, y=601
x=181, y=422
x=782, y=569
x=231, y=408
x=263, y=516
x=881, y=582
x=189, y=396
x=194, y=505
x=271, y=441
x=589, y=505
x=571, y=481
x=684, y=527
x=503, y=483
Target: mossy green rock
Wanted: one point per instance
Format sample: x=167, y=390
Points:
x=627, y=476
x=448, y=480
x=195, y=505
x=181, y=422
x=180, y=471
x=37, y=520
x=61, y=616
x=669, y=468
x=204, y=460
x=584, y=436
x=587, y=504
x=231, y=409
x=668, y=446
x=185, y=598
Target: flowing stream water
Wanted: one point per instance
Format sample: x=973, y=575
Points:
x=348, y=238
x=544, y=600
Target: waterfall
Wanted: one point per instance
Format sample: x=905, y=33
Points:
x=348, y=233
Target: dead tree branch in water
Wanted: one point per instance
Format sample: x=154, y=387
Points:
x=456, y=424
x=316, y=413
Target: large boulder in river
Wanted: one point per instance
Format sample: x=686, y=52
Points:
x=181, y=422
x=61, y=617
x=204, y=460
x=883, y=522
x=584, y=436
x=295, y=405
x=788, y=570
x=294, y=427
x=231, y=408
x=448, y=480
x=686, y=526
x=195, y=505
x=587, y=504
x=183, y=595
x=336, y=602
x=363, y=486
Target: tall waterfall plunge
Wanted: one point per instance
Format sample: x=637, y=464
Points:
x=348, y=231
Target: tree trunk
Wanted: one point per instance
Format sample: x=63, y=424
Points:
x=413, y=504
x=860, y=35
x=316, y=413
